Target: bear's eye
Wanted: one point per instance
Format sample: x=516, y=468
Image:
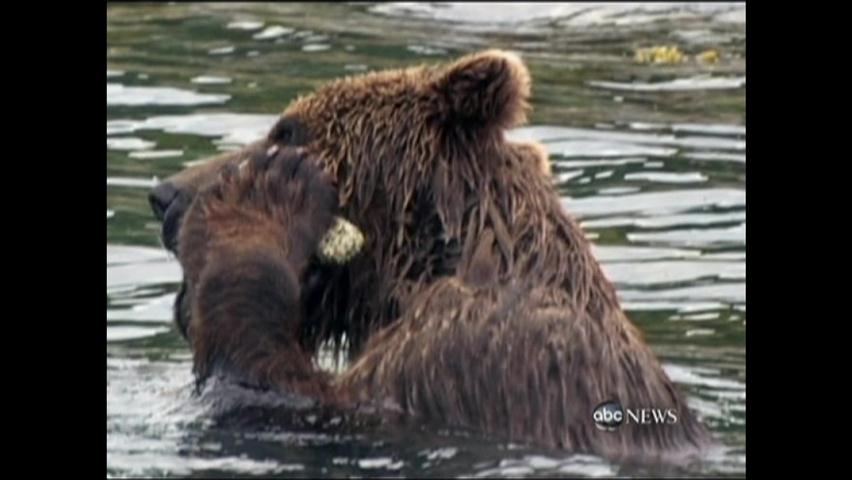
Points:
x=285, y=135
x=288, y=132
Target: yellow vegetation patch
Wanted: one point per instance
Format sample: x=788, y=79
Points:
x=659, y=54
x=710, y=56
x=670, y=54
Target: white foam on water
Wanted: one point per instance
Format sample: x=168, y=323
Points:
x=617, y=190
x=592, y=471
x=315, y=47
x=576, y=15
x=274, y=31
x=644, y=274
x=700, y=317
x=592, y=148
x=728, y=293
x=138, y=464
x=656, y=306
x=157, y=309
x=441, y=453
x=232, y=128
x=622, y=253
x=666, y=220
x=132, y=182
x=702, y=37
x=709, y=129
x=119, y=127
x=648, y=126
x=515, y=471
x=567, y=141
x=222, y=50
x=121, y=95
x=694, y=237
x=211, y=80
x=567, y=175
x=732, y=16
x=129, y=143
x=655, y=203
x=245, y=25
x=152, y=154
x=426, y=50
x=715, y=156
x=581, y=465
x=140, y=266
x=117, y=333
x=386, y=463
x=114, y=73
x=539, y=462
x=595, y=163
x=667, y=177
x=701, y=82
x=123, y=254
x=303, y=34
x=709, y=143
x=702, y=377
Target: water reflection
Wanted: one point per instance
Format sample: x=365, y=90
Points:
x=651, y=159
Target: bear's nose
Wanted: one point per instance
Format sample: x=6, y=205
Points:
x=161, y=197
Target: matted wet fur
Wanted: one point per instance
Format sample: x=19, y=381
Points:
x=246, y=247
x=478, y=301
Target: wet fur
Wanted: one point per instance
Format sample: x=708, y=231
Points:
x=499, y=316
x=477, y=302
x=246, y=248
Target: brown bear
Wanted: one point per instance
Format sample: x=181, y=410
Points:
x=477, y=301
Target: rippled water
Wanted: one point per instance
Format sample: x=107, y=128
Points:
x=651, y=158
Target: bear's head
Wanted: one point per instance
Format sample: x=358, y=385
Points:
x=421, y=163
x=382, y=135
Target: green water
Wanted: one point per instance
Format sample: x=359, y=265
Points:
x=651, y=158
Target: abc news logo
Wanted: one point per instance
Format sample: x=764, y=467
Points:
x=611, y=415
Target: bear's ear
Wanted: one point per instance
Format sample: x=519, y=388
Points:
x=486, y=89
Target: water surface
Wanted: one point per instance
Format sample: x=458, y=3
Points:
x=650, y=158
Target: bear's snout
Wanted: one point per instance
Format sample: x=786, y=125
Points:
x=161, y=197
x=168, y=204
